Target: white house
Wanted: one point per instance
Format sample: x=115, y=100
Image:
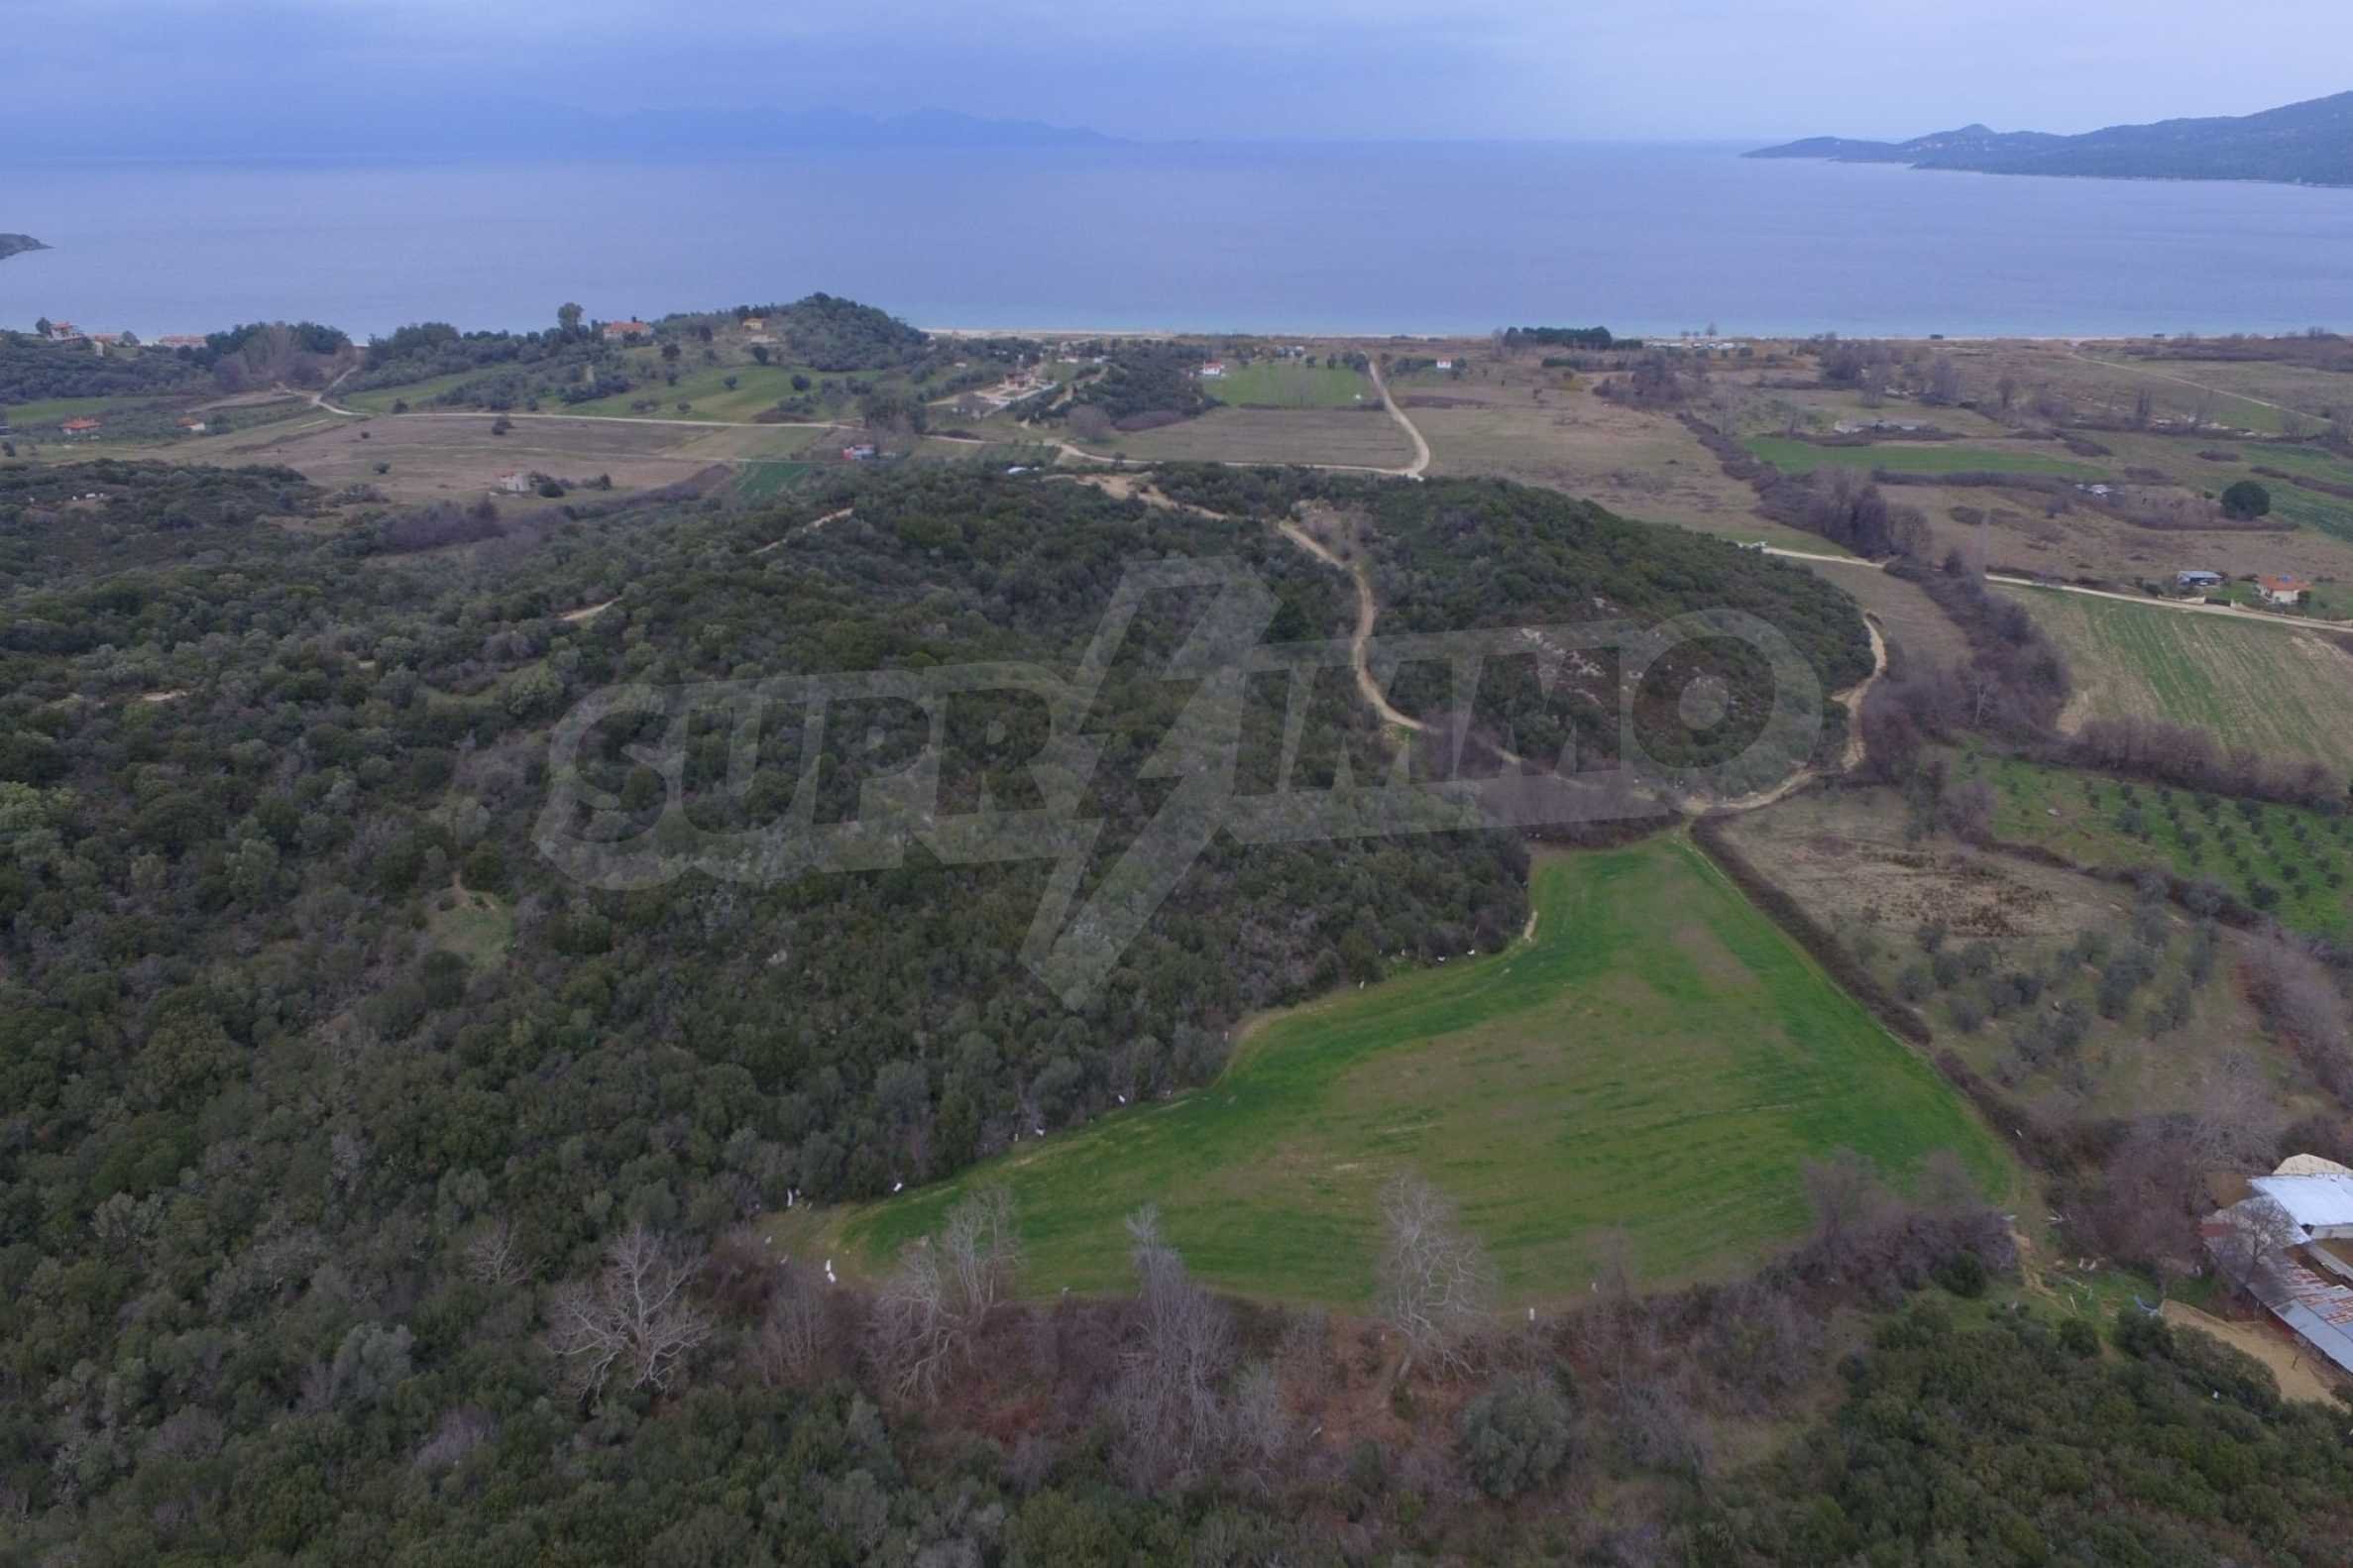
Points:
x=515, y=484
x=1213, y=370
x=1445, y=364
x=2283, y=591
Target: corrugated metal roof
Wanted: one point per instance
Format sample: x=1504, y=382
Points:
x=2310, y=1200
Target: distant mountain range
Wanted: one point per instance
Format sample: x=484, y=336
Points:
x=11, y=244
x=515, y=130
x=2305, y=143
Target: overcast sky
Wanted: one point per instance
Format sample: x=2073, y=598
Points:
x=1224, y=69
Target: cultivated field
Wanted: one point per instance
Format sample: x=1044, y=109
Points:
x=1281, y=384
x=1938, y=457
x=1851, y=860
x=1657, y=1056
x=1364, y=439
x=1637, y=465
x=436, y=458
x=2305, y=859
x=1909, y=618
x=2285, y=692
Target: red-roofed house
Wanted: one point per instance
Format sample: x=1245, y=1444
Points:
x=63, y=332
x=616, y=331
x=192, y=423
x=78, y=429
x=2286, y=592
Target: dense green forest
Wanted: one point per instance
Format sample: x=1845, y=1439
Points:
x=834, y=334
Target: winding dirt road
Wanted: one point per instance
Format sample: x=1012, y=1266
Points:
x=1366, y=613
x=1422, y=448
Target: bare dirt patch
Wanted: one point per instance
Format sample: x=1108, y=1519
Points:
x=2301, y=1373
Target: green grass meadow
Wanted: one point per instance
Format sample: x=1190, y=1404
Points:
x=1951, y=457
x=1660, y=1057
x=1287, y=384
x=765, y=480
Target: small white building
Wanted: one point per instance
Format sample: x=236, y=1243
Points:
x=1213, y=370
x=2283, y=591
x=515, y=484
x=1445, y=364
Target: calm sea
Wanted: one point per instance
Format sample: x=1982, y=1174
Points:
x=1358, y=239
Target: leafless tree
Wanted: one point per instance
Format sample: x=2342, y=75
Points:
x=634, y=1321
x=800, y=1332
x=1434, y=1285
x=1166, y=1402
x=2236, y=1123
x=1943, y=380
x=935, y=1301
x=2005, y=390
x=1849, y=1203
x=1262, y=1429
x=494, y=1256
x=2252, y=1231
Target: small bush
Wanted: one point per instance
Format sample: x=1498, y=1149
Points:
x=1963, y=1273
x=1515, y=1436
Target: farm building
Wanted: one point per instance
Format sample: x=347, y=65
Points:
x=192, y=424
x=80, y=429
x=2286, y=590
x=863, y=452
x=1444, y=365
x=617, y=331
x=180, y=340
x=515, y=484
x=756, y=323
x=2197, y=579
x=2290, y=1246
x=1213, y=370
